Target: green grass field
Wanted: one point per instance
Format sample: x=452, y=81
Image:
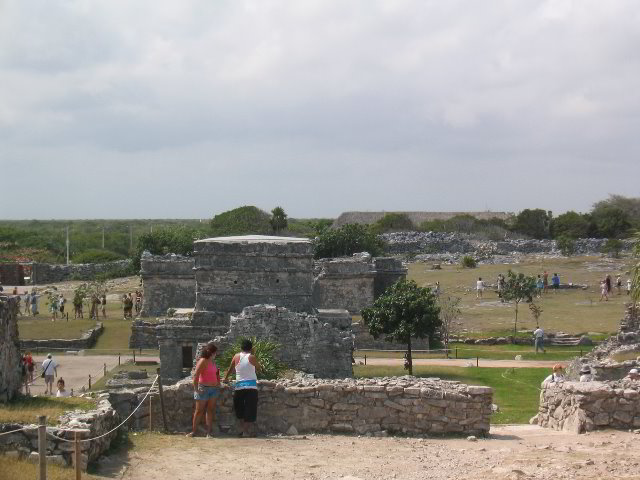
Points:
x=125, y=367
x=570, y=311
x=516, y=391
x=27, y=409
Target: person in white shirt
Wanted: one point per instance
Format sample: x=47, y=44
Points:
x=479, y=287
x=538, y=338
x=556, y=377
x=245, y=396
x=62, y=392
x=585, y=374
x=49, y=368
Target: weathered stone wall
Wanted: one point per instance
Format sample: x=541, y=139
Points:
x=51, y=273
x=346, y=283
x=90, y=424
x=405, y=405
x=364, y=341
x=388, y=271
x=87, y=340
x=169, y=282
x=143, y=334
x=10, y=372
x=306, y=343
x=583, y=407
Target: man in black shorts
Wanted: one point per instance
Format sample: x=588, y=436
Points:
x=245, y=396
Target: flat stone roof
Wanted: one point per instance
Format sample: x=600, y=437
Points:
x=254, y=239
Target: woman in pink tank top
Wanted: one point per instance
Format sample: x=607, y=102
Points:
x=206, y=387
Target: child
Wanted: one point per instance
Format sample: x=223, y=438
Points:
x=61, y=390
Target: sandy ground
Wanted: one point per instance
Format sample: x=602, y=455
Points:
x=512, y=452
x=452, y=362
x=76, y=369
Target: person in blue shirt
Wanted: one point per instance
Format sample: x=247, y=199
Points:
x=539, y=286
x=555, y=282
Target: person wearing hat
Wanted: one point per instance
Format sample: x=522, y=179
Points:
x=557, y=376
x=585, y=374
x=49, y=368
x=633, y=375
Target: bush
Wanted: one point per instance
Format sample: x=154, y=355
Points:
x=468, y=262
x=247, y=220
x=566, y=245
x=393, y=222
x=95, y=255
x=347, y=240
x=613, y=246
x=174, y=239
x=264, y=351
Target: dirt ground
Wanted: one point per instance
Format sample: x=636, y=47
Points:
x=512, y=452
x=452, y=362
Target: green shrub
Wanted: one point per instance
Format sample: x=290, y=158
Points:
x=95, y=255
x=566, y=245
x=264, y=350
x=347, y=240
x=468, y=262
x=393, y=222
x=247, y=220
x=613, y=246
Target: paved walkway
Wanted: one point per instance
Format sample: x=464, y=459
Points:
x=460, y=362
x=75, y=369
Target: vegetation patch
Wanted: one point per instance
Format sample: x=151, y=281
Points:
x=26, y=410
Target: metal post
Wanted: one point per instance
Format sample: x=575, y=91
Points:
x=89, y=381
x=76, y=455
x=164, y=417
x=42, y=447
x=477, y=361
x=118, y=359
x=365, y=358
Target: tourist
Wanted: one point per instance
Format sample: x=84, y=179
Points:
x=34, y=302
x=77, y=307
x=49, y=368
x=545, y=281
x=30, y=365
x=585, y=374
x=206, y=388
x=500, y=283
x=619, y=284
x=61, y=302
x=103, y=305
x=555, y=282
x=628, y=286
x=18, y=306
x=14, y=291
x=633, y=375
x=27, y=302
x=436, y=289
x=479, y=288
x=24, y=375
x=61, y=390
x=138, y=302
x=607, y=281
x=557, y=376
x=54, y=308
x=539, y=286
x=603, y=291
x=245, y=396
x=538, y=338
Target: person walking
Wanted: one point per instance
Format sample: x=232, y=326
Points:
x=49, y=368
x=619, y=284
x=538, y=339
x=30, y=365
x=61, y=304
x=479, y=288
x=54, y=308
x=206, y=388
x=103, y=305
x=27, y=302
x=545, y=281
x=539, y=286
x=34, y=303
x=607, y=281
x=245, y=395
x=603, y=291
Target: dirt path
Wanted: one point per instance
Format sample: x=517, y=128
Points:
x=76, y=369
x=512, y=452
x=451, y=362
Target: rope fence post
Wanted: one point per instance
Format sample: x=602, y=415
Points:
x=104, y=370
x=365, y=358
x=118, y=359
x=42, y=447
x=456, y=353
x=477, y=361
x=164, y=417
x=76, y=455
x=89, y=381
x=134, y=356
x=150, y=415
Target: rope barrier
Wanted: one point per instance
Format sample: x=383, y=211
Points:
x=14, y=431
x=113, y=429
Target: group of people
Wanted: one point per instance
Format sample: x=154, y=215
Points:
x=49, y=373
x=586, y=375
x=207, y=384
x=30, y=302
x=606, y=287
x=542, y=284
x=129, y=302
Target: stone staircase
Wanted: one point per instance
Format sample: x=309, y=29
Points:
x=563, y=339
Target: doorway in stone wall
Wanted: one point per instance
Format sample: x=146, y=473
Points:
x=187, y=356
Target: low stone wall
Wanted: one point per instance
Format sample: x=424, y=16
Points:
x=143, y=334
x=169, y=281
x=10, y=371
x=362, y=340
x=344, y=283
x=406, y=405
x=90, y=425
x=43, y=273
x=87, y=340
x=583, y=407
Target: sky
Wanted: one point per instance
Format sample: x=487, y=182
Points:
x=166, y=109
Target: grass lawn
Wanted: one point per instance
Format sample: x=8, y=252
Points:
x=27, y=409
x=125, y=367
x=18, y=469
x=489, y=352
x=571, y=311
x=515, y=391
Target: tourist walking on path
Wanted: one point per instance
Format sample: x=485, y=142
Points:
x=603, y=291
x=49, y=369
x=539, y=286
x=206, y=388
x=245, y=396
x=619, y=284
x=27, y=302
x=538, y=339
x=34, y=303
x=607, y=281
x=103, y=305
x=62, y=302
x=30, y=365
x=479, y=288
x=54, y=308
x=545, y=281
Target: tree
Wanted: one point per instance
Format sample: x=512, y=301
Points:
x=566, y=245
x=536, y=311
x=404, y=311
x=609, y=221
x=393, y=222
x=612, y=246
x=631, y=206
x=571, y=224
x=174, y=239
x=534, y=223
x=278, y=219
x=347, y=240
x=449, y=314
x=247, y=220
x=518, y=287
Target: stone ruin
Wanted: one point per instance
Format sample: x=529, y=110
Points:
x=168, y=281
x=10, y=372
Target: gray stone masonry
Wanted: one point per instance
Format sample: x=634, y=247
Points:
x=10, y=371
x=52, y=273
x=143, y=334
x=306, y=343
x=87, y=340
x=233, y=272
x=169, y=282
x=403, y=405
x=583, y=407
x=89, y=424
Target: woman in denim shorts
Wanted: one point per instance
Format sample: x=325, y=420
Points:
x=206, y=387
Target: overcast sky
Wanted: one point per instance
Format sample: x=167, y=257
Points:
x=183, y=109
